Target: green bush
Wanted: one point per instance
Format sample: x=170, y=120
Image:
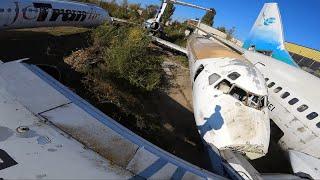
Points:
x=127, y=56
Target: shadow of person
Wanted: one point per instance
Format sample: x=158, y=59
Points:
x=215, y=121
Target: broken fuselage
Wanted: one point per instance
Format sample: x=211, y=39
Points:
x=229, y=98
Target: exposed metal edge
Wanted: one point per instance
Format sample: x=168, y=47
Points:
x=126, y=133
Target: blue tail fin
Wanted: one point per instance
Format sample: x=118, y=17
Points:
x=266, y=35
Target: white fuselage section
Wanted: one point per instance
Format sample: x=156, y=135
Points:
x=294, y=107
x=47, y=13
x=223, y=120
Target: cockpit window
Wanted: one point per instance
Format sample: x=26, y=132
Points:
x=257, y=102
x=214, y=78
x=239, y=94
x=248, y=99
x=263, y=101
x=199, y=70
x=224, y=86
x=253, y=101
x=234, y=75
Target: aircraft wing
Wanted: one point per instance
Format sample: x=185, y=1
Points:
x=170, y=45
x=47, y=131
x=114, y=19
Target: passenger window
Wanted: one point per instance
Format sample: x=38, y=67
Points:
x=318, y=124
x=224, y=86
x=214, y=78
x=276, y=90
x=271, y=84
x=199, y=70
x=293, y=101
x=302, y=108
x=266, y=79
x=285, y=95
x=312, y=115
x=234, y=75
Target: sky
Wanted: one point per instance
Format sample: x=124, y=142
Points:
x=300, y=18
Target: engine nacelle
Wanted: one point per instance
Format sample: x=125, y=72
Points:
x=153, y=26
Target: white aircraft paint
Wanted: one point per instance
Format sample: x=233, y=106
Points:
x=300, y=133
x=223, y=120
x=293, y=96
x=46, y=13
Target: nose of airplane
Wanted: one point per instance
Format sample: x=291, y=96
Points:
x=236, y=127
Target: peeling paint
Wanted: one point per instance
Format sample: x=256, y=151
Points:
x=5, y=133
x=52, y=150
x=43, y=140
x=301, y=129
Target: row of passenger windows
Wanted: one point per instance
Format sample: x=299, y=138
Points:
x=293, y=101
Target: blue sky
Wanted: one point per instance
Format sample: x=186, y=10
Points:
x=300, y=18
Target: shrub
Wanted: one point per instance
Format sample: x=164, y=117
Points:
x=127, y=56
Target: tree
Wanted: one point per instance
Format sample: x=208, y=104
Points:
x=230, y=33
x=168, y=12
x=208, y=18
x=222, y=29
x=125, y=4
x=150, y=11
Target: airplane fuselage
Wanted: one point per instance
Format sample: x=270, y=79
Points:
x=229, y=99
x=47, y=13
x=293, y=106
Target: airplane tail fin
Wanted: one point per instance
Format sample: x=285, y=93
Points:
x=266, y=35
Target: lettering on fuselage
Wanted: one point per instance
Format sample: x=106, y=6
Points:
x=270, y=106
x=66, y=15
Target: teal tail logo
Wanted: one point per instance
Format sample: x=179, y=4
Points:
x=269, y=21
x=266, y=35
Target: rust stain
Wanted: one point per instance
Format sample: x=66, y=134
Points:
x=301, y=129
x=110, y=150
x=202, y=49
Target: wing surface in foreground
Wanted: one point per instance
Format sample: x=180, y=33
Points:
x=47, y=131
